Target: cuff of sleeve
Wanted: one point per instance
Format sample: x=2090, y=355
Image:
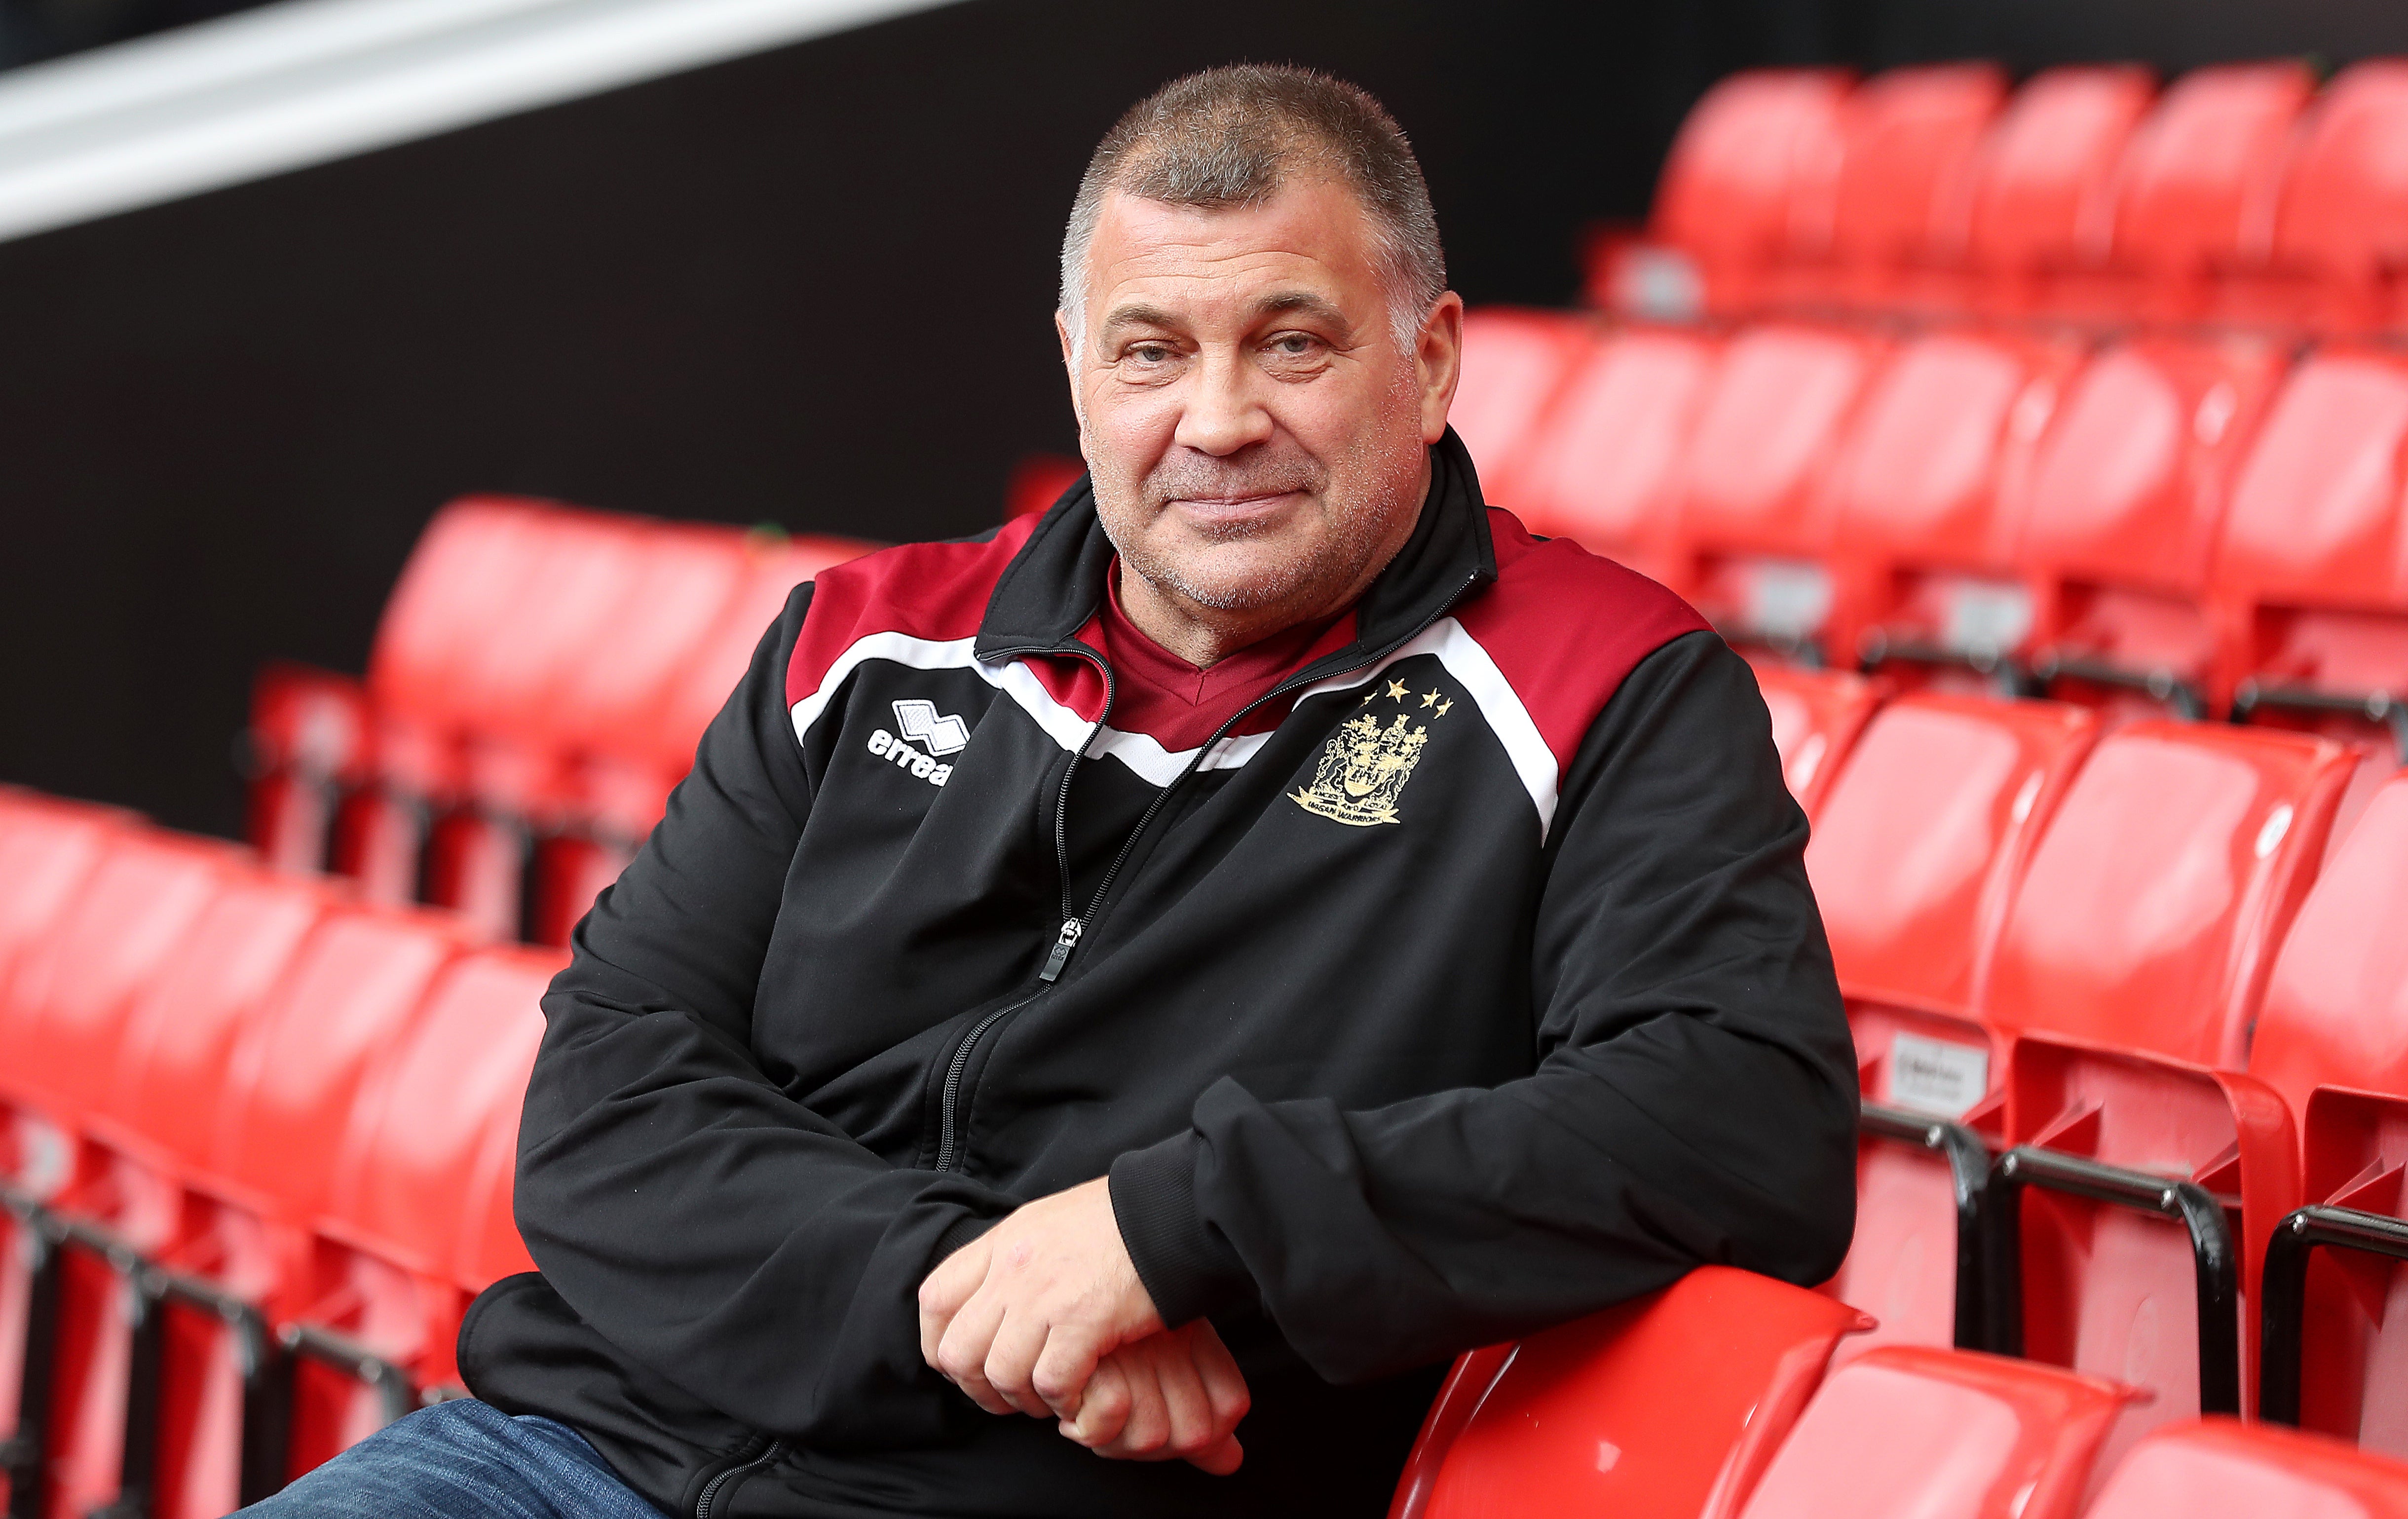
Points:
x=1187, y=1268
x=960, y=1232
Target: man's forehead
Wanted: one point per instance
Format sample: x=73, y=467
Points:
x=1306, y=248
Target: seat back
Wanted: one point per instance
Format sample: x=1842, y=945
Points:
x=489, y=1245
x=2127, y=496
x=416, y=1135
x=121, y=933
x=1925, y=493
x=183, y=1032
x=611, y=688
x=2216, y=138
x=1577, y=1419
x=1905, y=1432
x=1816, y=715
x=1913, y=859
x=1766, y=430
x=469, y=569
x=336, y=1014
x=2221, y=1468
x=1607, y=471
x=2341, y=213
x=774, y=568
x=1741, y=183
x=1515, y=361
x=1907, y=137
x=2149, y=914
x=2336, y=1007
x=48, y=851
x=2039, y=191
x=2332, y=1039
x=2313, y=566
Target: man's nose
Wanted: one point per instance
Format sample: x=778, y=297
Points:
x=1223, y=414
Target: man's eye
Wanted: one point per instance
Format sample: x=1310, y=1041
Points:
x=1150, y=353
x=1293, y=345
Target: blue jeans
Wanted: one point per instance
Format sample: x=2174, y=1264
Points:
x=463, y=1460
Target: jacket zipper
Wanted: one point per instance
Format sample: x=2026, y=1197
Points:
x=1075, y=925
x=744, y=1466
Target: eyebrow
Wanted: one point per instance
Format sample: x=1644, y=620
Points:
x=1135, y=314
x=1306, y=303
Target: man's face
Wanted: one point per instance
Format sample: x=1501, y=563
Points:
x=1255, y=435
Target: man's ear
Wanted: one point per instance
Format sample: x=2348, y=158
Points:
x=1438, y=362
x=1071, y=368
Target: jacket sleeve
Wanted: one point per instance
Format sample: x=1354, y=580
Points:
x=1695, y=1098
x=712, y=1227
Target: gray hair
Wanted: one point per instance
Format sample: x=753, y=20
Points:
x=1231, y=137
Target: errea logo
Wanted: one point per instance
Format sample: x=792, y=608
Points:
x=920, y=723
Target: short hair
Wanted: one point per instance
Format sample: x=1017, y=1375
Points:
x=1232, y=137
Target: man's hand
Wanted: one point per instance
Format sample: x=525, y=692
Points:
x=1177, y=1395
x=1018, y=1317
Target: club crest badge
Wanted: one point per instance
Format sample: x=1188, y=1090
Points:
x=1365, y=765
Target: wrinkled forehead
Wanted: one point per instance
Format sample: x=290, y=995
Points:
x=1310, y=247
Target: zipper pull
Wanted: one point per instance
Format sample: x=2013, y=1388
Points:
x=1063, y=944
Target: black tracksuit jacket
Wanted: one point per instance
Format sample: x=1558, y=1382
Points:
x=1482, y=992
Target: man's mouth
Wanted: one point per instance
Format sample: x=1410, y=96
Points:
x=1235, y=510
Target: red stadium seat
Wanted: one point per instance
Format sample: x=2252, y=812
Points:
x=1816, y=715
x=2332, y=1039
x=1741, y=190
x=619, y=793
x=2335, y=237
x=1607, y=472
x=1907, y=139
x=1515, y=361
x=2038, y=196
x=238, y=1253
x=382, y=1302
x=153, y=1135
x=2182, y=191
x=1755, y=515
x=1926, y=496
x=469, y=570
x=2126, y=497
x=1914, y=854
x=1580, y=1420
x=307, y=743
x=2129, y=973
x=2218, y=1468
x=1910, y=1433
x=2312, y=570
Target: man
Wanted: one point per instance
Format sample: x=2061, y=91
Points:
x=1121, y=1002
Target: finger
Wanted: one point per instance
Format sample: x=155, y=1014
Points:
x=1221, y=1459
x=944, y=1290
x=1225, y=1386
x=1103, y=1412
x=961, y=1353
x=1061, y=1372
x=1011, y=1356
x=1148, y=1427
x=1189, y=1411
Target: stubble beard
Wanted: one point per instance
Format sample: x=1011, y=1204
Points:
x=1358, y=497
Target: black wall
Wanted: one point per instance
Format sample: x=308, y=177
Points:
x=812, y=287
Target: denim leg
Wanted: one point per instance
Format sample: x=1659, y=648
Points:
x=462, y=1460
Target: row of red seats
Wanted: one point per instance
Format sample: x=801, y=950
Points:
x=257, y=1144
x=1711, y=1398
x=205, y=1296
x=2199, y=524
x=2240, y=194
x=2129, y=1019
x=538, y=682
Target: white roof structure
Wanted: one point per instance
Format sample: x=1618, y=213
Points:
x=304, y=82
